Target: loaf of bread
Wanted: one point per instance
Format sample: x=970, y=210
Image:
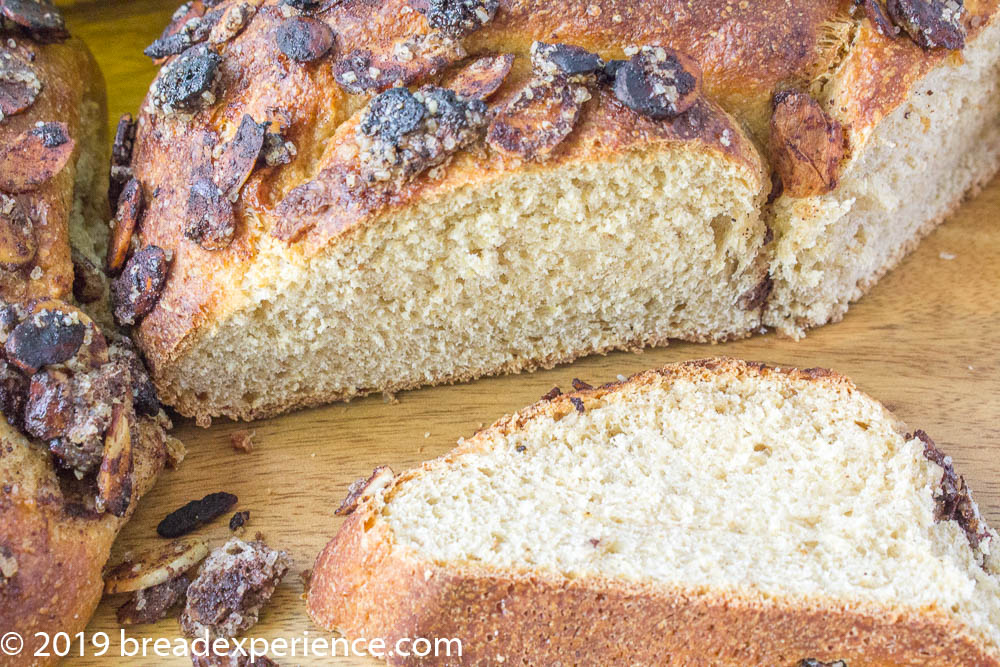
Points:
x=82, y=435
x=712, y=512
x=363, y=196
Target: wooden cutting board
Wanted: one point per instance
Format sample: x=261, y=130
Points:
x=926, y=341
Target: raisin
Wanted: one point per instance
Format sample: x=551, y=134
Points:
x=304, y=39
x=459, y=17
x=658, y=82
x=17, y=235
x=239, y=520
x=135, y=292
x=480, y=78
x=130, y=205
x=186, y=83
x=43, y=21
x=565, y=59
x=34, y=157
x=144, y=396
x=930, y=23
x=45, y=338
x=195, y=514
x=211, y=221
x=238, y=157
x=19, y=85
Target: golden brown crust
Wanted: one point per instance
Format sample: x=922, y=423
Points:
x=363, y=584
x=747, y=52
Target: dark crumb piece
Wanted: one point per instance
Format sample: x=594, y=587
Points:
x=460, y=17
x=552, y=393
x=154, y=603
x=302, y=5
x=812, y=662
x=211, y=222
x=594, y=541
x=19, y=85
x=239, y=520
x=42, y=21
x=196, y=513
x=580, y=385
x=45, y=338
x=34, y=157
x=135, y=292
x=756, y=296
x=403, y=134
x=520, y=449
x=954, y=498
x=304, y=39
x=577, y=403
x=235, y=583
x=186, y=83
x=236, y=658
x=381, y=476
x=658, y=82
x=242, y=440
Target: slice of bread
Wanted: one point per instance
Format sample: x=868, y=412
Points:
x=714, y=512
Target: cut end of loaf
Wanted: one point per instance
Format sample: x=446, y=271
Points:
x=790, y=494
x=526, y=271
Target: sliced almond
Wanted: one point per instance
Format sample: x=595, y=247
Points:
x=537, y=120
x=34, y=157
x=17, y=234
x=807, y=145
x=480, y=78
x=155, y=566
x=130, y=204
x=114, y=480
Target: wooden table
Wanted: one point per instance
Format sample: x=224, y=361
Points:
x=926, y=341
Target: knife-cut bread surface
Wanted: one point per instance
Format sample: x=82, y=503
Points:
x=712, y=512
x=319, y=281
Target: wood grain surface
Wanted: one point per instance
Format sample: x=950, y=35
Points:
x=926, y=341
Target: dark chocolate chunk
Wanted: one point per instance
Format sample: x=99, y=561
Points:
x=135, y=292
x=196, y=513
x=565, y=59
x=459, y=17
x=186, y=83
x=658, y=82
x=930, y=23
x=19, y=85
x=34, y=157
x=44, y=338
x=130, y=205
x=42, y=20
x=152, y=604
x=304, y=39
x=211, y=222
x=239, y=520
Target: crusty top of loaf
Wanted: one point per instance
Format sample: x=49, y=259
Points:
x=69, y=77
x=747, y=52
